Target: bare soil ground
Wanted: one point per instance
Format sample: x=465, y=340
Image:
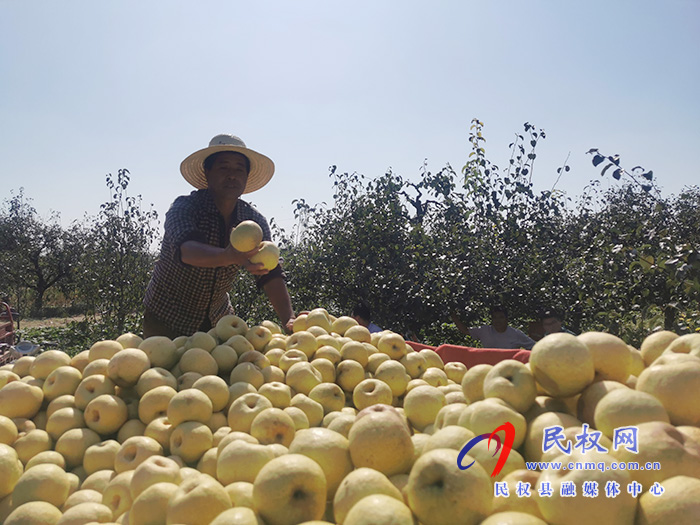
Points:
x=50, y=321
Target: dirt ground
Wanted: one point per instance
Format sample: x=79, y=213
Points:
x=50, y=321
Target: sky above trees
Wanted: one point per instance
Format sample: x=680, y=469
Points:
x=88, y=88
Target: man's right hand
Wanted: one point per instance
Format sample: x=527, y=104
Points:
x=242, y=259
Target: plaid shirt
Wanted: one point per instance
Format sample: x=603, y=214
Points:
x=182, y=296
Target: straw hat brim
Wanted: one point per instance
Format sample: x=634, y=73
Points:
x=261, y=167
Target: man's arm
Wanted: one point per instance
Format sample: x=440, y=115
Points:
x=204, y=255
x=523, y=340
x=460, y=325
x=277, y=293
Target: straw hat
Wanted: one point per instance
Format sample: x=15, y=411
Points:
x=261, y=167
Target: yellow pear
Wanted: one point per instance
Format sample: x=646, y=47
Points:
x=34, y=513
x=189, y=405
x=82, y=496
x=104, y=349
x=327, y=448
x=198, y=500
x=535, y=432
x=589, y=399
x=455, y=371
x=247, y=373
x=151, y=504
x=229, y=326
x=625, y=407
x=46, y=482
x=29, y=444
x=244, y=409
x=358, y=484
x=679, y=504
x=74, y=442
x=154, y=403
x=342, y=323
x=116, y=494
x=190, y=440
x=451, y=436
x=226, y=358
x=47, y=456
x=379, y=509
x=473, y=382
x=135, y=451
x=422, y=405
x=611, y=356
x=241, y=461
x=685, y=344
x=371, y=392
x=513, y=382
x=562, y=364
x=86, y=512
x=160, y=350
x=11, y=468
x=246, y=236
x=239, y=516
x=655, y=344
x=380, y=439
x=240, y=493
x=582, y=509
x=513, y=503
x=98, y=366
x=155, y=377
x=100, y=456
x=19, y=399
x=436, y=489
x=665, y=449
x=449, y=414
x=106, y=414
x=62, y=380
x=268, y=255
x=48, y=361
x=91, y=387
x=358, y=333
x=273, y=425
x=290, y=489
x=674, y=379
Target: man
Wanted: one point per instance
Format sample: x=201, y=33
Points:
x=188, y=291
x=498, y=334
x=361, y=314
x=552, y=323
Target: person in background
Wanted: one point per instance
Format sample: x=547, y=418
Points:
x=535, y=330
x=361, y=314
x=498, y=334
x=552, y=322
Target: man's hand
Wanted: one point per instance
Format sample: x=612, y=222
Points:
x=289, y=326
x=242, y=259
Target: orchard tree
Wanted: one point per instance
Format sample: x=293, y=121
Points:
x=117, y=261
x=422, y=253
x=36, y=254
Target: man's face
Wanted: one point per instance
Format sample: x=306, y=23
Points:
x=499, y=321
x=361, y=321
x=551, y=325
x=228, y=175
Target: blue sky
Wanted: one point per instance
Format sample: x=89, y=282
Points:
x=89, y=87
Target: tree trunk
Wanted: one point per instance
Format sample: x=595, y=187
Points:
x=669, y=318
x=38, y=301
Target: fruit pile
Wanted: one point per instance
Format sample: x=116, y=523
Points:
x=332, y=424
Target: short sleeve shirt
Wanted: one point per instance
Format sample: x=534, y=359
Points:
x=512, y=337
x=184, y=296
